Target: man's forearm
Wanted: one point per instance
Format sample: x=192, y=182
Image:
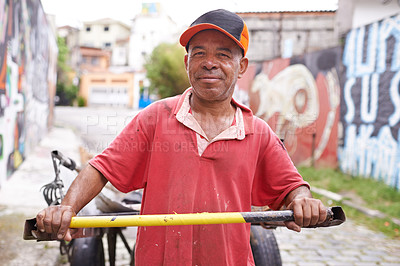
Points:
x=85, y=187
x=297, y=193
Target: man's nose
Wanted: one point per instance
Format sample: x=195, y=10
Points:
x=210, y=62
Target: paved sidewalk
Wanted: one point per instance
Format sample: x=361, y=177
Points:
x=21, y=198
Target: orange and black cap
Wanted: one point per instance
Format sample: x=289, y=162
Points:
x=222, y=20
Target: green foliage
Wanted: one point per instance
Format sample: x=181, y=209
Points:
x=371, y=194
x=66, y=90
x=81, y=101
x=62, y=55
x=166, y=70
x=67, y=93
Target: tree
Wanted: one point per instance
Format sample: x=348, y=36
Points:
x=66, y=90
x=166, y=70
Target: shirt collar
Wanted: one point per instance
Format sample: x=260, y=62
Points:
x=244, y=116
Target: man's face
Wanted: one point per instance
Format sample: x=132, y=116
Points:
x=214, y=63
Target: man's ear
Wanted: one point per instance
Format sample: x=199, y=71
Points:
x=244, y=63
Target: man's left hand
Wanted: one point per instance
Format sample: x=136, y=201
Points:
x=307, y=212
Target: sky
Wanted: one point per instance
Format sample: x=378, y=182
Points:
x=183, y=12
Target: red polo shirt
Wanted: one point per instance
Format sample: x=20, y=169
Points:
x=159, y=152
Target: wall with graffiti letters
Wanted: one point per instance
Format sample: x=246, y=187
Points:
x=370, y=102
x=299, y=98
x=28, y=59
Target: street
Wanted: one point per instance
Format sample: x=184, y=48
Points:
x=97, y=127
x=93, y=128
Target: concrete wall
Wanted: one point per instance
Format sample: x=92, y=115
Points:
x=299, y=98
x=287, y=34
x=370, y=109
x=28, y=61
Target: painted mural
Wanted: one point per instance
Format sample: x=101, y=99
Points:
x=370, y=109
x=299, y=98
x=28, y=59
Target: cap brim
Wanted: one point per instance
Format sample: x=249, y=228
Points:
x=189, y=33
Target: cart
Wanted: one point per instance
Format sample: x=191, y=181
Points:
x=87, y=247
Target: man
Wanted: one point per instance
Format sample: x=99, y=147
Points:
x=197, y=152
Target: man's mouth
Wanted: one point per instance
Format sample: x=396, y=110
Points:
x=208, y=78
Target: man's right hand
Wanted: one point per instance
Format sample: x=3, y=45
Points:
x=56, y=219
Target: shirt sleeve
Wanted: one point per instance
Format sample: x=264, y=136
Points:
x=124, y=162
x=275, y=174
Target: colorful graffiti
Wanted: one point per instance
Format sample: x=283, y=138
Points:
x=28, y=58
x=299, y=98
x=370, y=110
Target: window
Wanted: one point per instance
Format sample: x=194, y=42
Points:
x=88, y=28
x=85, y=59
x=95, y=61
x=106, y=28
x=107, y=44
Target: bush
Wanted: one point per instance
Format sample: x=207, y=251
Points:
x=81, y=101
x=166, y=70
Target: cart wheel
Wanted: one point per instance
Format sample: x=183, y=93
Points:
x=87, y=251
x=264, y=247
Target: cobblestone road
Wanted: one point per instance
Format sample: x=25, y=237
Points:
x=347, y=244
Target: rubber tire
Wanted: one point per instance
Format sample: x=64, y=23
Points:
x=87, y=251
x=264, y=247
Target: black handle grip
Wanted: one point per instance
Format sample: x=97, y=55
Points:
x=65, y=161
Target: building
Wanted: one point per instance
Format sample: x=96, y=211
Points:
x=107, y=34
x=94, y=60
x=71, y=37
x=287, y=34
x=105, y=77
x=149, y=28
x=99, y=84
x=356, y=13
x=103, y=33
x=105, y=88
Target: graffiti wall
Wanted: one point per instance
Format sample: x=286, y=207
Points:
x=370, y=109
x=28, y=58
x=299, y=98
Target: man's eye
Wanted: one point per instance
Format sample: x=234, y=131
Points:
x=198, y=53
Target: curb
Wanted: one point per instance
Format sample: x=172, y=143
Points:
x=337, y=197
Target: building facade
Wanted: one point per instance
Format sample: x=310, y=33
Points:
x=287, y=34
x=356, y=13
x=104, y=74
x=103, y=33
x=112, y=89
x=149, y=28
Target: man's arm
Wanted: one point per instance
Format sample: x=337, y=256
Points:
x=307, y=210
x=56, y=219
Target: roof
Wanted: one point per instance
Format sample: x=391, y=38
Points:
x=106, y=21
x=92, y=51
x=284, y=6
x=288, y=13
x=67, y=27
x=291, y=11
